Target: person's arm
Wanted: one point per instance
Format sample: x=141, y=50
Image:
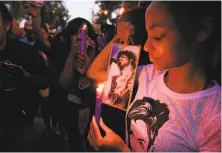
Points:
x=67, y=73
x=35, y=12
x=35, y=70
x=98, y=69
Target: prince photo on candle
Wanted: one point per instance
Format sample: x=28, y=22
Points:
x=121, y=78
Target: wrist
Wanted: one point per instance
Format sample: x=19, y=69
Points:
x=116, y=39
x=123, y=147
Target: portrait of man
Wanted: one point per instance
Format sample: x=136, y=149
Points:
x=120, y=80
x=146, y=114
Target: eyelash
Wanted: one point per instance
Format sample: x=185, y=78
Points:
x=159, y=38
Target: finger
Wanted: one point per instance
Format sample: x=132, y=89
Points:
x=103, y=126
x=80, y=57
x=91, y=41
x=78, y=67
x=96, y=128
x=90, y=137
x=74, y=38
x=91, y=44
x=79, y=62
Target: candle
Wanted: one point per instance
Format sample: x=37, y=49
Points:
x=83, y=38
x=99, y=92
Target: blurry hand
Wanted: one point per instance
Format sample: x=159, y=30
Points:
x=124, y=31
x=33, y=10
x=90, y=45
x=110, y=142
x=83, y=60
x=26, y=75
x=78, y=56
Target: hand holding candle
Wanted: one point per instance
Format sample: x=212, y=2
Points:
x=99, y=91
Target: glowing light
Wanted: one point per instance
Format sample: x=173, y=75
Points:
x=106, y=12
x=100, y=87
x=122, y=10
x=84, y=27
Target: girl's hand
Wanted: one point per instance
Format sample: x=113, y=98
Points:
x=84, y=60
x=78, y=57
x=34, y=10
x=124, y=31
x=110, y=142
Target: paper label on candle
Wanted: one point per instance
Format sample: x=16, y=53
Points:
x=121, y=75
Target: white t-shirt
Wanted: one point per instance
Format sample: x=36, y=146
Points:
x=173, y=122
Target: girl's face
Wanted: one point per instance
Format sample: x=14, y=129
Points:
x=164, y=43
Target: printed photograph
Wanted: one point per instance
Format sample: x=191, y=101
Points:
x=121, y=75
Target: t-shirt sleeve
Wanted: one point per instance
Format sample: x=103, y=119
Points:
x=210, y=136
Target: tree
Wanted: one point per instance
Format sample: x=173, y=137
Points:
x=16, y=8
x=106, y=10
x=53, y=12
x=109, y=7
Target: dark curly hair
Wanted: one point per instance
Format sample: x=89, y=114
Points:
x=130, y=55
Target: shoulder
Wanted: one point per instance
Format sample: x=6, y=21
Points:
x=148, y=72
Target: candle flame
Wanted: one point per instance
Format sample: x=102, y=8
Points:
x=84, y=27
x=122, y=10
x=100, y=87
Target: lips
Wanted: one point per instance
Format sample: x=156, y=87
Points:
x=152, y=59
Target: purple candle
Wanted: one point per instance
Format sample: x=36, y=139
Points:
x=99, y=92
x=83, y=38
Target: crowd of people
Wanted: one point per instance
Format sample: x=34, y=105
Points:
x=176, y=97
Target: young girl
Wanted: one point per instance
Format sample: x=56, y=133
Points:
x=178, y=104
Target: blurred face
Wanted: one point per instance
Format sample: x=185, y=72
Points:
x=45, y=34
x=124, y=60
x=16, y=31
x=164, y=43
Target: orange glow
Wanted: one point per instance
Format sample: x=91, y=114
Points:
x=106, y=12
x=100, y=87
x=122, y=10
x=84, y=27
